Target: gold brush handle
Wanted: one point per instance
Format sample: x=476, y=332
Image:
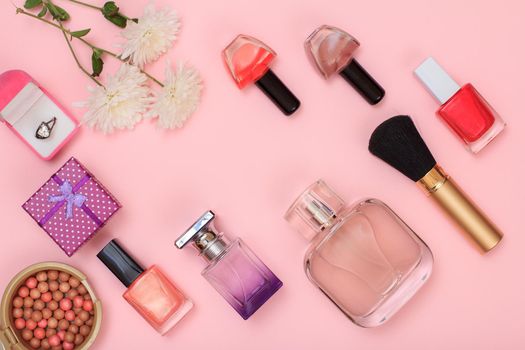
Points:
x=461, y=208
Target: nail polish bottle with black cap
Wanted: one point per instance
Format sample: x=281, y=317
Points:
x=149, y=291
x=248, y=61
x=332, y=51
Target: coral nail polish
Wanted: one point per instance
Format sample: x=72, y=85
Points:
x=465, y=111
x=332, y=51
x=149, y=291
x=233, y=269
x=248, y=61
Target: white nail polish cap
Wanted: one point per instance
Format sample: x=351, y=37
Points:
x=436, y=80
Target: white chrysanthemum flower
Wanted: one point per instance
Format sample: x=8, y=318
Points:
x=151, y=37
x=179, y=97
x=121, y=104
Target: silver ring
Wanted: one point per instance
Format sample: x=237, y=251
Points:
x=45, y=128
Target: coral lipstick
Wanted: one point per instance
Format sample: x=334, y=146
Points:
x=248, y=61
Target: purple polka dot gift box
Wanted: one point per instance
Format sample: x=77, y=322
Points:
x=72, y=206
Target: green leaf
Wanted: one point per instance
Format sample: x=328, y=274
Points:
x=80, y=33
x=110, y=9
x=118, y=20
x=97, y=63
x=31, y=4
x=63, y=15
x=42, y=12
x=57, y=12
x=97, y=52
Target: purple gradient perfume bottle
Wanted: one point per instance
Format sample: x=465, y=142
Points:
x=233, y=269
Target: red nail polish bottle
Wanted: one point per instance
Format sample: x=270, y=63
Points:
x=465, y=111
x=248, y=60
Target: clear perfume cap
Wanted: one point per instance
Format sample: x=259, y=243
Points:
x=314, y=210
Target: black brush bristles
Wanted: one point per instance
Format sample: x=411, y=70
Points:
x=397, y=142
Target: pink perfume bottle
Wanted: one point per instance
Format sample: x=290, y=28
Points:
x=364, y=258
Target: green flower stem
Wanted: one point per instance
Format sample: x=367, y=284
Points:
x=93, y=47
x=76, y=58
x=123, y=60
x=86, y=4
x=94, y=7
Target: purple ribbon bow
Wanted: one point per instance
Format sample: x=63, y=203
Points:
x=71, y=199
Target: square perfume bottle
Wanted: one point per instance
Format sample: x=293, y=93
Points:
x=72, y=206
x=34, y=115
x=233, y=269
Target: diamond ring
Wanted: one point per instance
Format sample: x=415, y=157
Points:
x=45, y=128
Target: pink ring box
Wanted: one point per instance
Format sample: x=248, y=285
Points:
x=25, y=104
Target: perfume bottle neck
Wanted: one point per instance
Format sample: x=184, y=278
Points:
x=315, y=210
x=321, y=214
x=210, y=244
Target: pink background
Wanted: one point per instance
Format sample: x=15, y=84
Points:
x=240, y=157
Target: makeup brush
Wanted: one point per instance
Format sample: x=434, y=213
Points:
x=398, y=143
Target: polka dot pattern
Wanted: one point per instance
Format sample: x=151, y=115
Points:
x=71, y=234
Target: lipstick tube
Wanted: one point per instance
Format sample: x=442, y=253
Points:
x=444, y=191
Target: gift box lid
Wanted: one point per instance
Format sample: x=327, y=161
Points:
x=72, y=206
